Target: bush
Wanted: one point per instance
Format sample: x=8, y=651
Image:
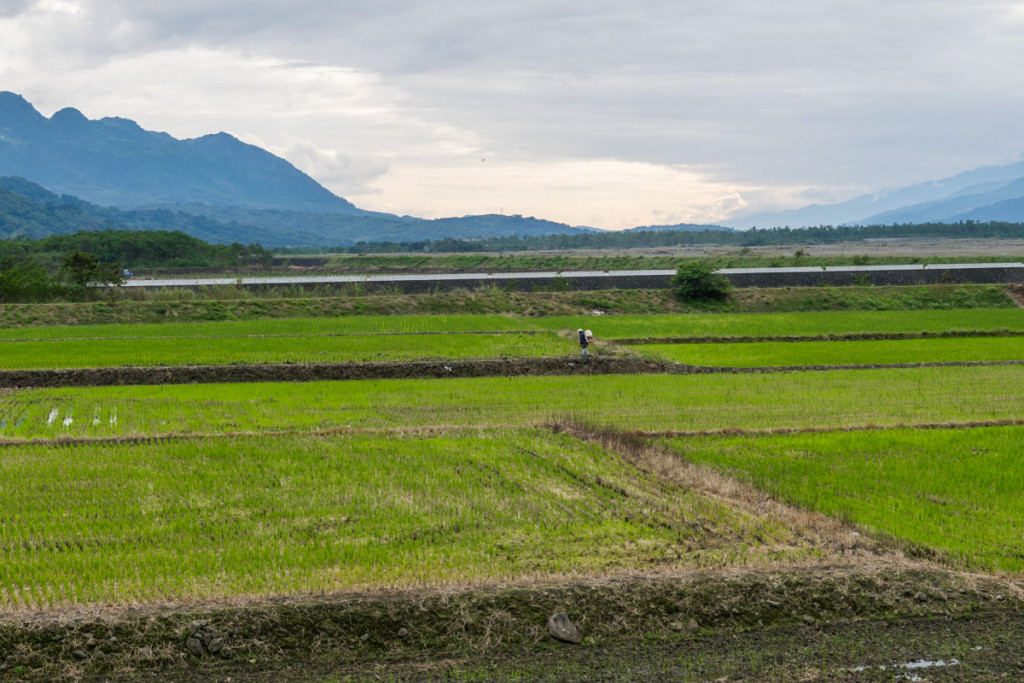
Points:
x=26, y=280
x=698, y=281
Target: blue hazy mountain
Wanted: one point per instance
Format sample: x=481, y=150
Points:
x=30, y=210
x=114, y=162
x=989, y=193
x=246, y=193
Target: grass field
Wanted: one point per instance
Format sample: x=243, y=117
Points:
x=833, y=399
x=266, y=327
x=90, y=353
x=773, y=354
x=954, y=491
x=228, y=517
x=411, y=337
x=816, y=323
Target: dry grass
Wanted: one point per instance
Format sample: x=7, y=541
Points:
x=832, y=539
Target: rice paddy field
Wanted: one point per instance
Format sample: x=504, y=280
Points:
x=778, y=354
x=812, y=323
x=498, y=499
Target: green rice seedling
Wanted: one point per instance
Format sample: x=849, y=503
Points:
x=791, y=324
x=82, y=353
x=211, y=518
x=838, y=398
x=291, y=327
x=957, y=492
x=771, y=354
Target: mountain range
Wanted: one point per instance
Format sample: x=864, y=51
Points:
x=67, y=167
x=993, y=193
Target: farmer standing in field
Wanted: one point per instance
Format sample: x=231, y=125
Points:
x=584, y=341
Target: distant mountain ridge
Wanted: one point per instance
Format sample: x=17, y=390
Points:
x=154, y=181
x=114, y=162
x=992, y=193
x=236, y=192
x=31, y=210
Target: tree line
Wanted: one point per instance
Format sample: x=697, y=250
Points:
x=825, y=234
x=65, y=266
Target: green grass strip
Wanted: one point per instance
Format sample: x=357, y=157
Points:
x=397, y=324
x=775, y=354
x=789, y=324
x=956, y=491
x=83, y=353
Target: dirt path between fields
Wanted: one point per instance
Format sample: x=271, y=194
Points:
x=310, y=372
x=1016, y=293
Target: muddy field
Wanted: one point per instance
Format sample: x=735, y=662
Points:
x=314, y=372
x=841, y=622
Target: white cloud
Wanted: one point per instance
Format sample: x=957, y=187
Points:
x=712, y=104
x=596, y=193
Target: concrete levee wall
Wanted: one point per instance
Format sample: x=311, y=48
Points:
x=838, y=278
x=924, y=276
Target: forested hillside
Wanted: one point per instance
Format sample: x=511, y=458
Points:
x=137, y=249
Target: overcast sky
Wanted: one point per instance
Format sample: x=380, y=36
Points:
x=588, y=112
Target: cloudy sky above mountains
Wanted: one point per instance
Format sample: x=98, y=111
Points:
x=589, y=112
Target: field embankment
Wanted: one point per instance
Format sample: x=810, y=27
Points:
x=234, y=303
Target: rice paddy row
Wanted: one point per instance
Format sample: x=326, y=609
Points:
x=954, y=491
x=298, y=514
x=87, y=353
x=782, y=354
x=839, y=398
x=813, y=324
x=606, y=327
x=404, y=338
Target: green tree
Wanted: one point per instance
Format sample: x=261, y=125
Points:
x=25, y=279
x=81, y=270
x=699, y=281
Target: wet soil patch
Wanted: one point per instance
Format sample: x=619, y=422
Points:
x=639, y=628
x=310, y=372
x=307, y=372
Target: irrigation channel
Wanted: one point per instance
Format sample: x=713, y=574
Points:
x=586, y=280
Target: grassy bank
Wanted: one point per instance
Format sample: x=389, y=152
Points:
x=233, y=303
